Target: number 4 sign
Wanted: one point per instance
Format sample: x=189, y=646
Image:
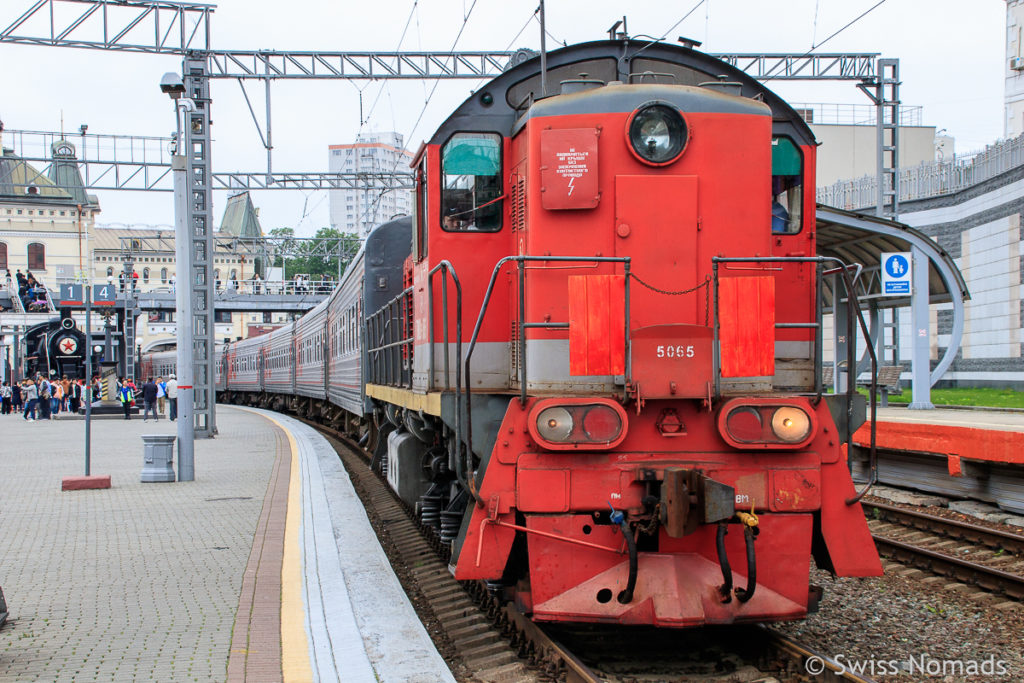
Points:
x=104, y=295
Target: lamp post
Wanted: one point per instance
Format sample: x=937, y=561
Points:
x=172, y=84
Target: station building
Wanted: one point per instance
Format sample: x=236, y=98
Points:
x=48, y=226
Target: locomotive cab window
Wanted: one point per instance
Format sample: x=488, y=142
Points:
x=787, y=186
x=419, y=209
x=471, y=183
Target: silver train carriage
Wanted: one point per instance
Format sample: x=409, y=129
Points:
x=321, y=355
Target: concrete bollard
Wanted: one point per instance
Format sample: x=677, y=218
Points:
x=158, y=458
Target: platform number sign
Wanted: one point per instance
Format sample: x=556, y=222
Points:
x=104, y=295
x=71, y=295
x=896, y=272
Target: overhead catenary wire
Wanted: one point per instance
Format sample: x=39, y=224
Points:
x=768, y=76
x=430, y=95
x=671, y=28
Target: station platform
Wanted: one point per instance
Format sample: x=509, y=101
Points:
x=264, y=568
x=959, y=434
x=964, y=454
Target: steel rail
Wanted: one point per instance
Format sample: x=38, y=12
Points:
x=989, y=578
x=795, y=649
x=576, y=671
x=951, y=528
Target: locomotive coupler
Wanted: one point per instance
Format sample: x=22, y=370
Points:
x=690, y=498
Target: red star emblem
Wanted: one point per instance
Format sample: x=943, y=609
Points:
x=68, y=345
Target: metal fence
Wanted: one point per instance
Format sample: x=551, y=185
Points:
x=294, y=287
x=930, y=179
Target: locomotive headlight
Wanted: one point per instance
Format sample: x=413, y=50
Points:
x=657, y=133
x=561, y=424
x=554, y=424
x=791, y=424
x=748, y=423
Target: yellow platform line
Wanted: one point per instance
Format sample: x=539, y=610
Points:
x=295, y=656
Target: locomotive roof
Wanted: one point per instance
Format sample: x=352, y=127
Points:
x=511, y=94
x=626, y=98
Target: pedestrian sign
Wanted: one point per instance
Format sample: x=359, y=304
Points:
x=896, y=272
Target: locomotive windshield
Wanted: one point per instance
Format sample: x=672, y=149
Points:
x=471, y=193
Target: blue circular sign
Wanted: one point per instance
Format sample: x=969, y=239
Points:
x=897, y=266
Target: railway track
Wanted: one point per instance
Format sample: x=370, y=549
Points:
x=497, y=643
x=991, y=559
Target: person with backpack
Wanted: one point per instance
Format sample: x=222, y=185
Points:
x=127, y=397
x=161, y=393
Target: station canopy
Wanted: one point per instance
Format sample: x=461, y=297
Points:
x=858, y=238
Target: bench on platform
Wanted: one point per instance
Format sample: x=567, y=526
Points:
x=888, y=381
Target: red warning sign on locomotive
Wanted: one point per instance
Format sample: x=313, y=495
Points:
x=568, y=171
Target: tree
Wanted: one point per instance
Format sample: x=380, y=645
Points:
x=317, y=256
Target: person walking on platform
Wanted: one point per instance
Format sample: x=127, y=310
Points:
x=5, y=398
x=56, y=398
x=172, y=397
x=127, y=398
x=161, y=393
x=75, y=396
x=16, y=402
x=149, y=392
x=65, y=384
x=43, y=402
x=31, y=395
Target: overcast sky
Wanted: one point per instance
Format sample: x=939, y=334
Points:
x=951, y=59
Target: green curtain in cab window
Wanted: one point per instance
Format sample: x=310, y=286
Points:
x=785, y=157
x=471, y=156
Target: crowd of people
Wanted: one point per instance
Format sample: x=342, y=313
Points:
x=157, y=395
x=30, y=290
x=39, y=398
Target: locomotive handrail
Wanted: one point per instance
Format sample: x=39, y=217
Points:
x=379, y=334
x=447, y=269
x=520, y=260
x=853, y=306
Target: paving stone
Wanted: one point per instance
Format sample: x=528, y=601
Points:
x=973, y=508
x=1015, y=520
x=135, y=582
x=908, y=497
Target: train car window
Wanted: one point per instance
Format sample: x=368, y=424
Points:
x=471, y=183
x=787, y=186
x=419, y=210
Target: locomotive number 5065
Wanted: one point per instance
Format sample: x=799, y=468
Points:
x=677, y=351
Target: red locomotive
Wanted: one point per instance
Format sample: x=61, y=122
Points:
x=597, y=373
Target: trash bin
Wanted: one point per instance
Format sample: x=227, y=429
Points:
x=158, y=457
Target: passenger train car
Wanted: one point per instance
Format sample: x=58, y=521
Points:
x=591, y=360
